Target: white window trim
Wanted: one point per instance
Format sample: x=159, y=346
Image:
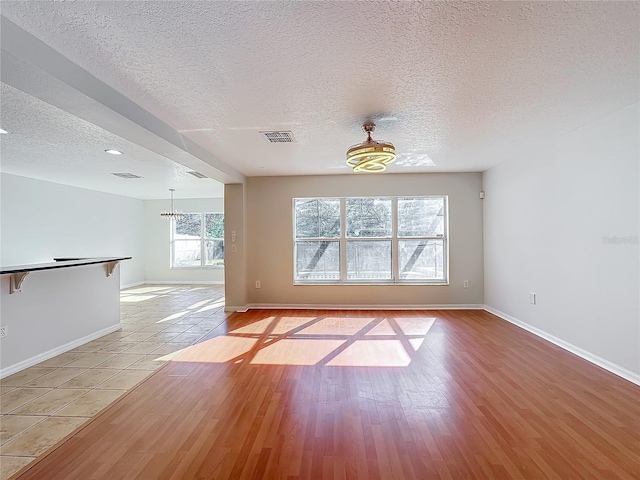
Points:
x=202, y=240
x=394, y=238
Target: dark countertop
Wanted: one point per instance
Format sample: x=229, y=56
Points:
x=76, y=262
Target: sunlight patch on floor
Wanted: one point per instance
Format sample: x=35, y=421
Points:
x=416, y=343
x=353, y=342
x=198, y=304
x=136, y=298
x=140, y=290
x=296, y=352
x=217, y=350
x=173, y=316
x=415, y=325
x=212, y=306
x=372, y=353
x=337, y=326
x=258, y=327
x=382, y=329
x=286, y=324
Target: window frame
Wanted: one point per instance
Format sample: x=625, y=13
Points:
x=317, y=239
x=202, y=240
x=395, y=240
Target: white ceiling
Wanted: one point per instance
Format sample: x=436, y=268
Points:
x=460, y=85
x=49, y=144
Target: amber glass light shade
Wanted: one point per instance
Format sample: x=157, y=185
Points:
x=370, y=156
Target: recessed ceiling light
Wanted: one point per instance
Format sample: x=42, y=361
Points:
x=2, y=131
x=113, y=152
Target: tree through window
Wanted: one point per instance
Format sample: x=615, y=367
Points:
x=197, y=240
x=370, y=240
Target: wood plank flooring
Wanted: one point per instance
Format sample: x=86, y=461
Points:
x=363, y=395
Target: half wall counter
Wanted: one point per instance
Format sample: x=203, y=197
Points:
x=49, y=308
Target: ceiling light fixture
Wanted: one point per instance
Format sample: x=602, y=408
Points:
x=171, y=213
x=370, y=156
x=3, y=131
x=113, y=152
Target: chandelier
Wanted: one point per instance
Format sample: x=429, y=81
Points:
x=370, y=156
x=172, y=213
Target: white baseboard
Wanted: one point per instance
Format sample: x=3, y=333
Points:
x=175, y=282
x=232, y=308
x=131, y=285
x=588, y=356
x=324, y=306
x=16, y=367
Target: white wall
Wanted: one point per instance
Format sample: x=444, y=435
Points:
x=549, y=220
x=42, y=220
x=55, y=311
x=157, y=247
x=269, y=239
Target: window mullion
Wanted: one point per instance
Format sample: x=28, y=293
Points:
x=172, y=241
x=202, y=259
x=395, y=269
x=343, y=240
x=445, y=240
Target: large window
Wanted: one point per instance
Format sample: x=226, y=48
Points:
x=197, y=240
x=370, y=240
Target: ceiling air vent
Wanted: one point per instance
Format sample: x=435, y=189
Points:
x=196, y=174
x=126, y=175
x=279, y=137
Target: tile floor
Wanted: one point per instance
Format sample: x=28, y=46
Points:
x=42, y=404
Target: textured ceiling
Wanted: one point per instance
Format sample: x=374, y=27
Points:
x=52, y=145
x=462, y=85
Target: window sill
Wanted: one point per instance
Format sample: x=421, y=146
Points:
x=373, y=284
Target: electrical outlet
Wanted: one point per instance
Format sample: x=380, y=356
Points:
x=466, y=284
x=4, y=331
x=257, y=283
x=532, y=298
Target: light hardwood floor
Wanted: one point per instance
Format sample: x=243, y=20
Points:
x=362, y=395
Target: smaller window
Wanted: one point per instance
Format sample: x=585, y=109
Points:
x=197, y=240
